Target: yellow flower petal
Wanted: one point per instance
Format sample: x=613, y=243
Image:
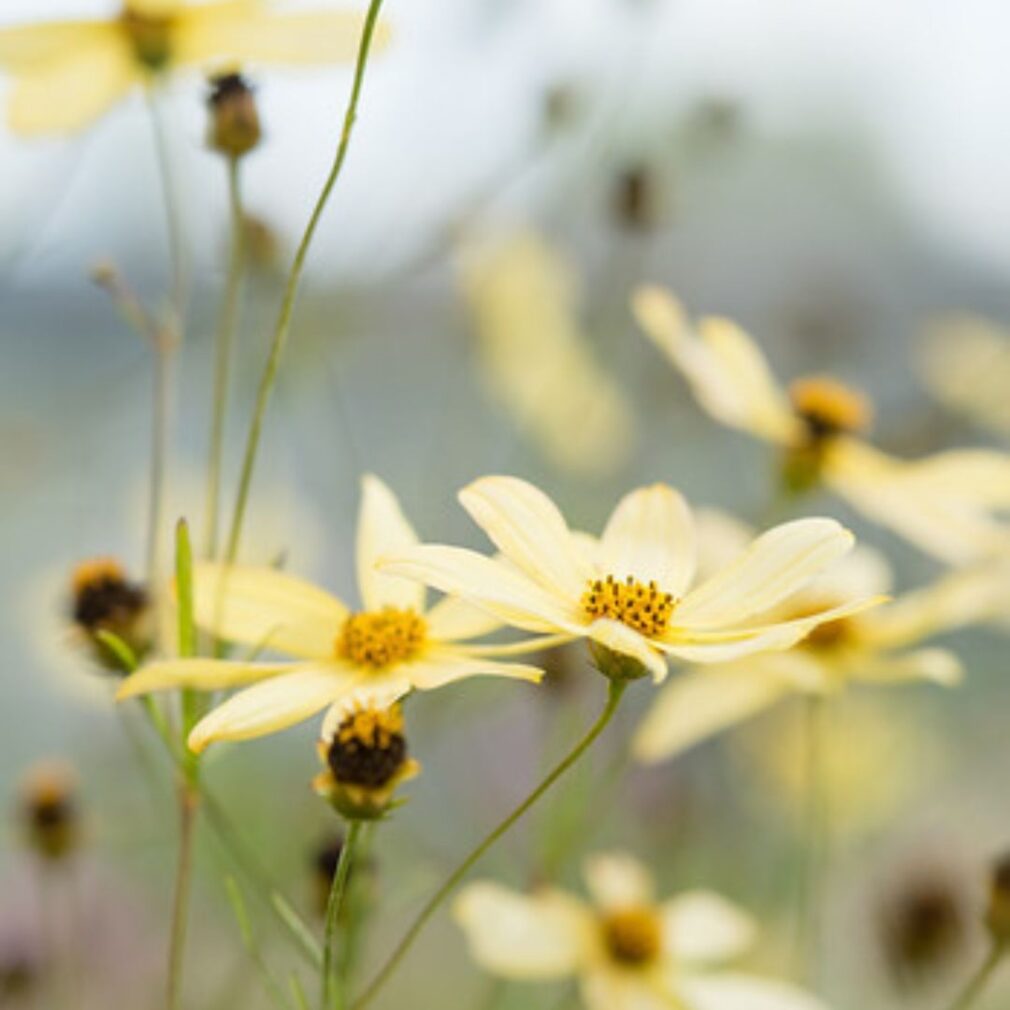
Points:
x=271, y=706
x=383, y=531
x=700, y=927
x=454, y=620
x=775, y=566
x=74, y=89
x=616, y=880
x=726, y=370
x=938, y=666
x=490, y=584
x=650, y=536
x=609, y=989
x=24, y=47
x=732, y=991
x=543, y=936
x=620, y=638
x=528, y=529
x=440, y=667
x=241, y=32
x=378, y=690
x=267, y=608
x=200, y=674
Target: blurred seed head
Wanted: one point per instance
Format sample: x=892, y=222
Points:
x=50, y=811
x=234, y=128
x=637, y=198
x=997, y=916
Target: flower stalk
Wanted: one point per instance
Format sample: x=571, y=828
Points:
x=332, y=995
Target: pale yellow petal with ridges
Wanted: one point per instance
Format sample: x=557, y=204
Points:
x=439, y=667
x=24, y=47
x=267, y=608
x=198, y=674
x=454, y=620
x=700, y=927
x=384, y=531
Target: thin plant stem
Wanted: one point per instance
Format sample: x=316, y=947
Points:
x=978, y=982
x=225, y=340
x=616, y=692
x=815, y=832
x=160, y=407
x=282, y=328
x=188, y=803
x=332, y=995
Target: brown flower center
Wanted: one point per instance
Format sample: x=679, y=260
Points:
x=829, y=407
x=645, y=608
x=369, y=747
x=633, y=936
x=379, y=638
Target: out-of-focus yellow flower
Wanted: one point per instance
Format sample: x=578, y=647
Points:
x=877, y=646
x=627, y=950
x=69, y=73
x=630, y=593
x=946, y=504
x=536, y=359
x=966, y=364
x=377, y=655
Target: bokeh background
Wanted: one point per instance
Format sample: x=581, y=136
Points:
x=832, y=175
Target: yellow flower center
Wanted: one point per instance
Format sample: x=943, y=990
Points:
x=380, y=638
x=829, y=407
x=645, y=608
x=633, y=936
x=149, y=31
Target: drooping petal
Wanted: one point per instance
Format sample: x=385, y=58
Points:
x=490, y=584
x=938, y=666
x=775, y=566
x=650, y=536
x=384, y=531
x=617, y=880
x=607, y=989
x=443, y=666
x=701, y=703
x=528, y=529
x=726, y=370
x=540, y=936
x=700, y=927
x=240, y=32
x=455, y=620
x=73, y=90
x=199, y=674
x=732, y=991
x=273, y=705
x=620, y=638
x=379, y=691
x=267, y=608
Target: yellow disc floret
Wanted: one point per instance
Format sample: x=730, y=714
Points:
x=380, y=638
x=829, y=407
x=633, y=936
x=645, y=608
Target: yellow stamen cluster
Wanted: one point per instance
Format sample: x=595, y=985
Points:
x=368, y=749
x=646, y=608
x=380, y=638
x=633, y=936
x=829, y=407
x=149, y=33
x=371, y=727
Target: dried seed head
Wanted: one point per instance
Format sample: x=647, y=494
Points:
x=104, y=600
x=234, y=119
x=49, y=810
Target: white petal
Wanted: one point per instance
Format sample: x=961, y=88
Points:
x=542, y=936
x=650, y=536
x=620, y=990
x=199, y=674
x=383, y=531
x=528, y=529
x=271, y=706
x=617, y=880
x=775, y=566
x=492, y=585
x=440, y=667
x=731, y=991
x=267, y=608
x=701, y=927
x=454, y=620
x=937, y=666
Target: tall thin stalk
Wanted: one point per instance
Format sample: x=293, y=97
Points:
x=331, y=994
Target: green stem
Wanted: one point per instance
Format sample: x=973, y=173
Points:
x=227, y=324
x=162, y=393
x=980, y=979
x=815, y=836
x=334, y=906
x=188, y=803
x=283, y=326
x=616, y=691
x=173, y=218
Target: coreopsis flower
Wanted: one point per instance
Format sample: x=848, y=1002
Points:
x=104, y=599
x=627, y=950
x=49, y=810
x=966, y=365
x=234, y=119
x=631, y=591
x=390, y=647
x=879, y=646
x=364, y=752
x=947, y=504
x=536, y=358
x=69, y=73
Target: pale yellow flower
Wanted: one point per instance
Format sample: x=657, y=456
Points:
x=536, y=357
x=627, y=950
x=631, y=591
x=947, y=504
x=871, y=647
x=393, y=646
x=966, y=364
x=69, y=73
